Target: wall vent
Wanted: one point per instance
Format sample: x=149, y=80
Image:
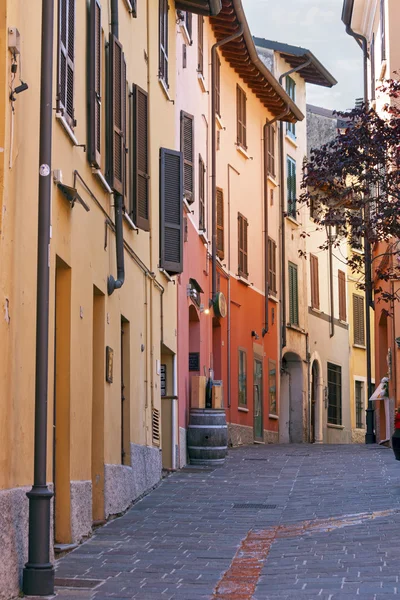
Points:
x=155, y=423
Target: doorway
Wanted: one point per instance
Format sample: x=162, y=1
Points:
x=258, y=400
x=314, y=400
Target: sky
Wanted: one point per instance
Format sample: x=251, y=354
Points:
x=316, y=25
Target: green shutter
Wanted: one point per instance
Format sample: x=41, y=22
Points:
x=293, y=295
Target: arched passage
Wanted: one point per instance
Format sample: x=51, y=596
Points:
x=291, y=412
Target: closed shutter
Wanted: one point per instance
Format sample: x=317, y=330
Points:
x=342, y=295
x=200, y=44
x=66, y=57
x=272, y=266
x=140, y=159
x=242, y=245
x=116, y=117
x=314, y=282
x=358, y=317
x=293, y=295
x=202, y=204
x=291, y=188
x=383, y=30
x=220, y=223
x=94, y=80
x=187, y=149
x=171, y=211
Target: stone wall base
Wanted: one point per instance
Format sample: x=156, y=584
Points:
x=183, y=459
x=124, y=484
x=239, y=435
x=271, y=437
x=81, y=509
x=358, y=436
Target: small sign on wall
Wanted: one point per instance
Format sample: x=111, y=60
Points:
x=163, y=380
x=109, y=364
x=194, y=361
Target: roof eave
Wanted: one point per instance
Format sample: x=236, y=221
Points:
x=207, y=8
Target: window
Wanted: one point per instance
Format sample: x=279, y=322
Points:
x=139, y=205
x=334, y=394
x=271, y=151
x=218, y=85
x=116, y=149
x=272, y=267
x=291, y=92
x=314, y=281
x=359, y=396
x=342, y=295
x=188, y=23
x=163, y=40
x=291, y=188
x=242, y=377
x=171, y=211
x=200, y=44
x=220, y=223
x=272, y=387
x=383, y=32
x=202, y=181
x=358, y=318
x=187, y=149
x=94, y=85
x=241, y=116
x=293, y=295
x=242, y=246
x=66, y=58
x=125, y=392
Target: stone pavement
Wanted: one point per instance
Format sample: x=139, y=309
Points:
x=275, y=522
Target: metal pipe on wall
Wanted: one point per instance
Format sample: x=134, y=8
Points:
x=38, y=574
x=229, y=285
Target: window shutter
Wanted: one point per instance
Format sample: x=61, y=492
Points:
x=358, y=317
x=271, y=151
x=200, y=44
x=94, y=80
x=242, y=245
x=163, y=41
x=66, y=56
x=342, y=295
x=171, y=211
x=116, y=118
x=272, y=266
x=293, y=295
x=140, y=159
x=202, y=216
x=187, y=149
x=314, y=282
x=383, y=32
x=241, y=116
x=220, y=223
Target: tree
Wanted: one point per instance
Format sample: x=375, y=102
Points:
x=353, y=185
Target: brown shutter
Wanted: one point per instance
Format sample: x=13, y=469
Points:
x=116, y=117
x=171, y=211
x=140, y=159
x=220, y=223
x=358, y=318
x=314, y=282
x=200, y=44
x=202, y=216
x=66, y=56
x=94, y=80
x=272, y=266
x=187, y=149
x=241, y=116
x=242, y=245
x=342, y=295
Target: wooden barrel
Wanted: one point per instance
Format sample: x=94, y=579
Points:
x=207, y=436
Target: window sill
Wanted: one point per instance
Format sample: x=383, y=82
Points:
x=273, y=298
x=318, y=311
x=360, y=346
x=167, y=275
x=243, y=409
x=187, y=206
x=185, y=34
x=129, y=221
x=291, y=141
x=295, y=327
x=97, y=173
x=274, y=417
x=293, y=220
x=202, y=82
x=243, y=151
x=358, y=251
x=272, y=180
x=164, y=88
x=219, y=122
x=243, y=280
x=203, y=236
x=67, y=128
x=333, y=426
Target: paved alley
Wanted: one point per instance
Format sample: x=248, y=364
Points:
x=276, y=522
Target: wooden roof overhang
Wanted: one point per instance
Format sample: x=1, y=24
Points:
x=241, y=54
x=200, y=7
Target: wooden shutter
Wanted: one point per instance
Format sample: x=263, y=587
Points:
x=372, y=61
x=342, y=295
x=293, y=295
x=220, y=223
x=272, y=266
x=242, y=245
x=218, y=85
x=66, y=57
x=140, y=159
x=314, y=281
x=171, y=211
x=94, y=80
x=202, y=215
x=358, y=318
x=241, y=116
x=116, y=117
x=200, y=44
x=187, y=149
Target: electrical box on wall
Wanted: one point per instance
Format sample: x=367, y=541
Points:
x=14, y=44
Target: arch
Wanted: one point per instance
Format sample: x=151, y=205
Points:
x=291, y=399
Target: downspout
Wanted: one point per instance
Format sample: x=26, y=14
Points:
x=115, y=284
x=38, y=574
x=332, y=299
x=229, y=288
x=282, y=208
x=214, y=48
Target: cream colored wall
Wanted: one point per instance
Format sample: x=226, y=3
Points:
x=78, y=238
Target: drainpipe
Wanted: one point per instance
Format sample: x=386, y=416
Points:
x=229, y=332
x=332, y=303
x=222, y=42
x=282, y=207
x=115, y=284
x=362, y=42
x=38, y=574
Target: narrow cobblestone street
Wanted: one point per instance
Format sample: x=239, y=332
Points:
x=276, y=522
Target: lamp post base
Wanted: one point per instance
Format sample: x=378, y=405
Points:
x=38, y=582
